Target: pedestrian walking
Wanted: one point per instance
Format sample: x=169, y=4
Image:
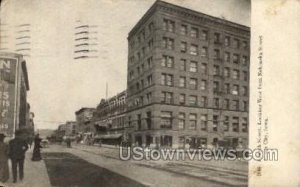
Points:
x=68, y=140
x=36, y=156
x=17, y=149
x=4, y=172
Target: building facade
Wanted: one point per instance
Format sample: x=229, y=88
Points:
x=109, y=119
x=71, y=128
x=188, y=79
x=14, y=85
x=84, y=121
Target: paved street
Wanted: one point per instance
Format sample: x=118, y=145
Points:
x=93, y=166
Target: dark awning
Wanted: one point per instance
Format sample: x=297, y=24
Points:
x=108, y=136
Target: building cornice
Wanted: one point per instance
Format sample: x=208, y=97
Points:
x=193, y=15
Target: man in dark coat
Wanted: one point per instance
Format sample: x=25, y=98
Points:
x=17, y=148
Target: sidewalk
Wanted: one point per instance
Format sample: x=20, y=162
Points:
x=35, y=174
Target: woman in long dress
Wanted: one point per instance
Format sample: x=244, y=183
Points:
x=4, y=172
x=36, y=156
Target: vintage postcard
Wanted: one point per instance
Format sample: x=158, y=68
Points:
x=101, y=93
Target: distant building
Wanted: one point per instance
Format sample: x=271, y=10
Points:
x=70, y=128
x=109, y=119
x=84, y=121
x=188, y=79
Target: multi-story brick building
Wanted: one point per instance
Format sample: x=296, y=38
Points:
x=109, y=119
x=84, y=121
x=188, y=79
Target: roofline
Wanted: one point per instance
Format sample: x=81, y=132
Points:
x=158, y=3
x=83, y=108
x=118, y=94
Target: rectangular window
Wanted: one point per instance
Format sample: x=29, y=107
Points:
x=236, y=74
x=149, y=80
x=245, y=106
x=227, y=41
x=235, y=124
x=168, y=25
x=204, y=35
x=215, y=122
x=216, y=102
x=226, y=72
x=203, y=85
x=217, y=38
x=235, y=104
x=143, y=36
x=183, y=29
x=143, y=52
x=139, y=121
x=193, y=83
x=193, y=66
x=245, y=45
x=193, y=121
x=203, y=68
x=227, y=88
x=203, y=101
x=167, y=97
x=193, y=100
x=245, y=75
x=150, y=44
x=236, y=43
x=182, y=64
x=181, y=120
x=194, y=49
x=244, y=60
x=216, y=54
x=245, y=125
x=226, y=123
x=235, y=89
x=168, y=43
x=182, y=99
x=235, y=58
x=227, y=57
x=183, y=47
x=226, y=104
x=216, y=86
x=244, y=91
x=167, y=79
x=139, y=56
x=194, y=32
x=149, y=62
x=216, y=70
x=182, y=82
x=142, y=83
x=148, y=120
x=166, y=120
x=203, y=119
x=151, y=27
x=204, y=52
x=163, y=79
x=149, y=97
x=167, y=61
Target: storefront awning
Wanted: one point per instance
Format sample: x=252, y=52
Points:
x=108, y=136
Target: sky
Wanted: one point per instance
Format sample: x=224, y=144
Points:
x=60, y=85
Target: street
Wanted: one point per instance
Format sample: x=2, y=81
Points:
x=90, y=166
x=84, y=165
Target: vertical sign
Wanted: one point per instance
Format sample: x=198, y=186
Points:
x=8, y=72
